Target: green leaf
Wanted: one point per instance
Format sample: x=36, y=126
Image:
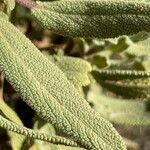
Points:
x=100, y=61
x=75, y=69
x=139, y=48
x=121, y=111
x=46, y=89
x=7, y=6
x=94, y=18
x=128, y=83
x=48, y=128
x=10, y=5
x=119, y=45
x=11, y=126
x=16, y=140
x=142, y=63
x=140, y=36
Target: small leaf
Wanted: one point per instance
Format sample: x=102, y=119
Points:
x=41, y=145
x=128, y=83
x=120, y=45
x=7, y=6
x=76, y=69
x=11, y=126
x=100, y=61
x=139, y=48
x=140, y=36
x=94, y=18
x=122, y=111
x=142, y=63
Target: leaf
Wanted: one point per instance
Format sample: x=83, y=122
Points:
x=100, y=61
x=10, y=4
x=7, y=6
x=139, y=48
x=140, y=36
x=142, y=63
x=11, y=126
x=75, y=69
x=119, y=45
x=128, y=83
x=48, y=128
x=16, y=140
x=94, y=18
x=46, y=89
x=121, y=111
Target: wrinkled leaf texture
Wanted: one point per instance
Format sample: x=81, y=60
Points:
x=129, y=112
x=47, y=90
x=94, y=18
x=128, y=83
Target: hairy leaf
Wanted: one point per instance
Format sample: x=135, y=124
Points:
x=11, y=126
x=100, y=61
x=41, y=145
x=76, y=69
x=16, y=140
x=139, y=48
x=131, y=84
x=122, y=111
x=118, y=45
x=94, y=18
x=46, y=89
x=10, y=4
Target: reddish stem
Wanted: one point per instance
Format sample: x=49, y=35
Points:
x=27, y=3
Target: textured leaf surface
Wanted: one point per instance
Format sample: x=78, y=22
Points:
x=131, y=84
x=118, y=45
x=75, y=69
x=11, y=126
x=16, y=140
x=10, y=5
x=122, y=111
x=94, y=18
x=48, y=128
x=140, y=48
x=46, y=89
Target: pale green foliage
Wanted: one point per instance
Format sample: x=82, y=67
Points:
x=50, y=85
x=4, y=123
x=75, y=69
x=41, y=145
x=94, y=18
x=121, y=111
x=7, y=6
x=42, y=84
x=100, y=61
x=129, y=83
x=16, y=140
x=119, y=44
x=10, y=4
x=140, y=48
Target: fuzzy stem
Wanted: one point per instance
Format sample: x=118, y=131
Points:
x=8, y=125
